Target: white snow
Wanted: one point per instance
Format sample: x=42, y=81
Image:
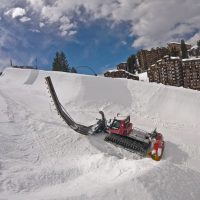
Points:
x=190, y=59
x=42, y=158
x=194, y=47
x=175, y=58
x=167, y=56
x=143, y=76
x=177, y=43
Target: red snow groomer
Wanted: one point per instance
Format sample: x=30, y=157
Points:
x=122, y=133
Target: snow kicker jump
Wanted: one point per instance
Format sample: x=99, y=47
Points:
x=120, y=131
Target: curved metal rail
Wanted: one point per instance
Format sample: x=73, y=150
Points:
x=85, y=130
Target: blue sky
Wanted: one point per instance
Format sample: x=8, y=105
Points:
x=98, y=33
x=98, y=46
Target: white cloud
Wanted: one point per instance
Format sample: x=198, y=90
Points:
x=123, y=42
x=16, y=12
x=6, y=39
x=152, y=22
x=193, y=40
x=155, y=22
x=41, y=24
x=25, y=19
x=67, y=27
x=36, y=4
x=63, y=12
x=35, y=30
x=71, y=33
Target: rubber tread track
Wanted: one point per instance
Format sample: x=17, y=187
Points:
x=128, y=143
x=61, y=111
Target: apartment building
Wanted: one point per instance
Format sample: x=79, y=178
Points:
x=120, y=74
x=191, y=73
x=123, y=66
x=177, y=46
x=167, y=70
x=148, y=57
x=194, y=51
x=176, y=72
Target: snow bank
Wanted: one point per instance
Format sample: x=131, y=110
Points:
x=143, y=77
x=42, y=158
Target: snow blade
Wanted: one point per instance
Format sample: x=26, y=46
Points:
x=128, y=143
x=85, y=130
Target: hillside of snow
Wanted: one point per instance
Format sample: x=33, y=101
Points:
x=42, y=158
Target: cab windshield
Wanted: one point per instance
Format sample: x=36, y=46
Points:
x=115, y=124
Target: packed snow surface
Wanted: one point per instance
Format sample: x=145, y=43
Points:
x=42, y=158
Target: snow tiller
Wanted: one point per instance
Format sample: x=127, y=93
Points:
x=120, y=131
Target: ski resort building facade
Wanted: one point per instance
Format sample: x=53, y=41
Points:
x=194, y=51
x=123, y=66
x=176, y=72
x=177, y=46
x=148, y=57
x=120, y=74
x=167, y=71
x=191, y=73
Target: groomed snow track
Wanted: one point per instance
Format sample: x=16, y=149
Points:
x=41, y=158
x=63, y=113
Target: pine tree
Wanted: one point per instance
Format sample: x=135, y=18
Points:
x=198, y=48
x=64, y=63
x=184, y=50
x=198, y=43
x=73, y=70
x=60, y=62
x=56, y=62
x=132, y=64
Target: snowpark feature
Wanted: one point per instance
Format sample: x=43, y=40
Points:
x=42, y=158
x=120, y=131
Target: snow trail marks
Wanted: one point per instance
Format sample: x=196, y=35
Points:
x=42, y=158
x=169, y=181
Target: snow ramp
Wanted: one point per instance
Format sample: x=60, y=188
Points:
x=42, y=158
x=32, y=77
x=155, y=101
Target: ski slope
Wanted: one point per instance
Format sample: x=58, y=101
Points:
x=42, y=158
